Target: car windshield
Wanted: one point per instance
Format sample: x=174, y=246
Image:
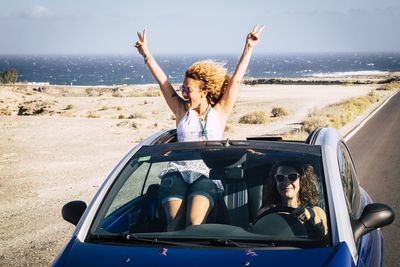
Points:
x=244, y=212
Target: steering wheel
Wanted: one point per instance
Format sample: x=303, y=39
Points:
x=276, y=209
x=278, y=221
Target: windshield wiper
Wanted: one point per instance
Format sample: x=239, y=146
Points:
x=242, y=243
x=193, y=242
x=224, y=242
x=134, y=238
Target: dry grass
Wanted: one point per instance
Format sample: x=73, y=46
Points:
x=297, y=135
x=128, y=124
x=228, y=128
x=152, y=92
x=136, y=115
x=339, y=114
x=69, y=107
x=256, y=117
x=279, y=112
x=91, y=92
x=389, y=86
x=5, y=112
x=92, y=115
x=103, y=108
x=69, y=114
x=149, y=92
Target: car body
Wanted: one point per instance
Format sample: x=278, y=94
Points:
x=124, y=225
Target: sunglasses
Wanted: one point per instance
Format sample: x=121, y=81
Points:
x=292, y=177
x=185, y=89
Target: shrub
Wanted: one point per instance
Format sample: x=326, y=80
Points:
x=103, y=108
x=228, y=128
x=256, y=117
x=389, y=86
x=295, y=135
x=279, y=112
x=69, y=106
x=339, y=114
x=136, y=115
x=92, y=115
x=152, y=92
x=121, y=117
x=89, y=91
x=9, y=76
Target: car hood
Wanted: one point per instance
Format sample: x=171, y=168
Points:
x=88, y=254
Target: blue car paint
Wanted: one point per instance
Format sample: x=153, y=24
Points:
x=63, y=255
x=340, y=257
x=371, y=249
x=89, y=254
x=77, y=253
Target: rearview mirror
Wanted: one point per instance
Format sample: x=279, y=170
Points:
x=73, y=211
x=374, y=216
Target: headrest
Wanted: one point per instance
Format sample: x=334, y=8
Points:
x=227, y=174
x=224, y=159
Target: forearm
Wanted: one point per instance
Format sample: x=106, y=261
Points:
x=173, y=100
x=155, y=69
x=243, y=64
x=232, y=90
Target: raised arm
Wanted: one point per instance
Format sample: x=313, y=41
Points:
x=174, y=101
x=225, y=105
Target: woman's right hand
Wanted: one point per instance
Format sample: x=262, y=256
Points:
x=253, y=38
x=141, y=44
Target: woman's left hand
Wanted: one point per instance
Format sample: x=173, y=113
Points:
x=253, y=38
x=303, y=214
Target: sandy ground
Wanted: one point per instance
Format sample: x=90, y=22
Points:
x=64, y=153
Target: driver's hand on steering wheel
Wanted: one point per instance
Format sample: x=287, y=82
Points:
x=303, y=214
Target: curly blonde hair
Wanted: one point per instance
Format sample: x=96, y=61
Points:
x=214, y=78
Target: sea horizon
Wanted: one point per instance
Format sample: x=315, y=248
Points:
x=128, y=69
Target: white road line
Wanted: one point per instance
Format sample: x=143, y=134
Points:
x=361, y=124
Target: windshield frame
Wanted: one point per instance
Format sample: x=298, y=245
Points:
x=164, y=151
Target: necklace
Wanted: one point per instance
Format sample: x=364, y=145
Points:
x=204, y=118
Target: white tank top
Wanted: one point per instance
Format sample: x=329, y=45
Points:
x=191, y=128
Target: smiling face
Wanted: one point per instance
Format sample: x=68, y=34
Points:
x=287, y=188
x=191, y=91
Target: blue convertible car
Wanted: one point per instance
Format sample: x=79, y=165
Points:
x=125, y=224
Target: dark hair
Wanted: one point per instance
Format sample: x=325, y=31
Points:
x=308, y=193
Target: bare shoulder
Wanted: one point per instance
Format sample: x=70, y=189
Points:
x=319, y=211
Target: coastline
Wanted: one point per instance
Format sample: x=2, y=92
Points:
x=75, y=135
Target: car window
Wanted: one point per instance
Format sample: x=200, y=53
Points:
x=349, y=182
x=131, y=188
x=133, y=204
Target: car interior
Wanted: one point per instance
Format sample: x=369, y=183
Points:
x=238, y=207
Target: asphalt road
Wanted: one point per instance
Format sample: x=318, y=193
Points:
x=376, y=152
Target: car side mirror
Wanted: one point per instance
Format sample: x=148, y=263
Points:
x=374, y=216
x=73, y=211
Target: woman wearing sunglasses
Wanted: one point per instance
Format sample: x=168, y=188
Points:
x=294, y=185
x=208, y=97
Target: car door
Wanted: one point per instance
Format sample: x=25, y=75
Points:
x=369, y=245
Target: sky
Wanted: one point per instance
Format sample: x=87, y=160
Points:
x=198, y=27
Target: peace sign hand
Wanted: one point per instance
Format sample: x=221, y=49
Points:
x=141, y=43
x=253, y=38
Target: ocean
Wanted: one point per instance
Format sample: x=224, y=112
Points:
x=99, y=70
